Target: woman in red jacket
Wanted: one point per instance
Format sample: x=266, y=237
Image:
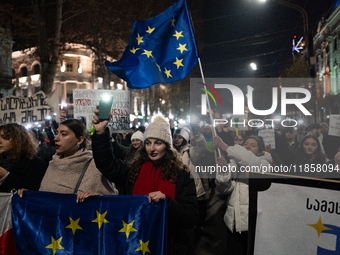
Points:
x=157, y=171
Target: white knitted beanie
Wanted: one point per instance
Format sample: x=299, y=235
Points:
x=137, y=135
x=184, y=132
x=159, y=129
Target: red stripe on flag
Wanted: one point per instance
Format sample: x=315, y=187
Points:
x=7, y=243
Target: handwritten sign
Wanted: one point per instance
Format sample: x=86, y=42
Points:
x=268, y=136
x=26, y=109
x=334, y=125
x=85, y=101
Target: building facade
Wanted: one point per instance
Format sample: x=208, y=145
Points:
x=327, y=52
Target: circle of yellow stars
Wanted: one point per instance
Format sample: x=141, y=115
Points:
x=100, y=220
x=181, y=48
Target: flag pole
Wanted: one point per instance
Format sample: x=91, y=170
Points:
x=209, y=109
x=203, y=79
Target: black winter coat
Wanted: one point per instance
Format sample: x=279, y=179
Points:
x=24, y=173
x=182, y=211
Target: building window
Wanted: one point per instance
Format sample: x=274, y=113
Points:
x=70, y=97
x=36, y=69
x=335, y=43
x=69, y=68
x=23, y=71
x=13, y=73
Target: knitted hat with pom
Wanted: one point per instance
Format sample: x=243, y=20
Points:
x=159, y=129
x=137, y=135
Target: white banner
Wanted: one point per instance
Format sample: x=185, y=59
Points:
x=334, y=125
x=297, y=220
x=268, y=136
x=28, y=109
x=86, y=100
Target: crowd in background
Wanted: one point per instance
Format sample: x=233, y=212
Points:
x=158, y=161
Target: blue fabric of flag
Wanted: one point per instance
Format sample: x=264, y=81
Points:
x=51, y=223
x=161, y=49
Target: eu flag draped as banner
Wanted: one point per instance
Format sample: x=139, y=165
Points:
x=50, y=223
x=161, y=49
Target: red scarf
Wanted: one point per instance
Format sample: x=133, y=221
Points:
x=150, y=180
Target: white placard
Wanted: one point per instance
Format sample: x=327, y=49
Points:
x=334, y=125
x=297, y=220
x=268, y=136
x=26, y=110
x=86, y=100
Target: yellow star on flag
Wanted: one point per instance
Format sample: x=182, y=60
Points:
x=159, y=67
x=143, y=247
x=150, y=30
x=173, y=21
x=178, y=62
x=319, y=227
x=74, y=225
x=55, y=245
x=182, y=48
x=139, y=39
x=178, y=34
x=167, y=72
x=101, y=219
x=133, y=50
x=128, y=228
x=148, y=53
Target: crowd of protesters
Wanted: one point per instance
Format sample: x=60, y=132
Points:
x=159, y=160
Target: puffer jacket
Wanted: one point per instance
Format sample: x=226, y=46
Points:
x=192, y=154
x=236, y=186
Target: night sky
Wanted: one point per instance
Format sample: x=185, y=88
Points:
x=235, y=33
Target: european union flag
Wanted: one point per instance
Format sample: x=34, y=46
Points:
x=161, y=49
x=51, y=223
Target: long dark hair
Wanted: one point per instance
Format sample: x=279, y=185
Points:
x=171, y=164
x=22, y=141
x=319, y=157
x=78, y=128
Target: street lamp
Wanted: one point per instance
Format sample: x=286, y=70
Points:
x=309, y=48
x=304, y=16
x=253, y=66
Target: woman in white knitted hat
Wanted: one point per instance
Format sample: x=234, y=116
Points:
x=129, y=152
x=157, y=171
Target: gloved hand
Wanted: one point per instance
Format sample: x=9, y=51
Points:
x=220, y=144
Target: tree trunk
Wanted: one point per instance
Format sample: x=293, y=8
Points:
x=48, y=61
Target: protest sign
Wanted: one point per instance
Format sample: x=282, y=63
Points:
x=28, y=109
x=268, y=136
x=86, y=100
x=294, y=219
x=334, y=125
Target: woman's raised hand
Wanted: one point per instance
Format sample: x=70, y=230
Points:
x=220, y=144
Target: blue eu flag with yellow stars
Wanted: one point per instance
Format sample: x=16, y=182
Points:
x=51, y=223
x=161, y=49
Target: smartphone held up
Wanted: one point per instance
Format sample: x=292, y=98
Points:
x=104, y=108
